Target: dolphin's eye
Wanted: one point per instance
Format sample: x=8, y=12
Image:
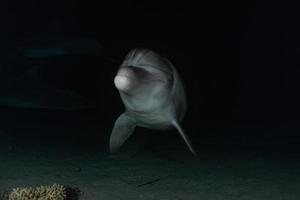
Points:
x=142, y=74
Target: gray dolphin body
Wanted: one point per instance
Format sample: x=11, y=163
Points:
x=153, y=95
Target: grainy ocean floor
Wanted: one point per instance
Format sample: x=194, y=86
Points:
x=168, y=172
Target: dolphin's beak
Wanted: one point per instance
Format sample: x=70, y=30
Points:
x=122, y=83
x=124, y=79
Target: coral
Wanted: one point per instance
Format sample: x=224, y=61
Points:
x=54, y=192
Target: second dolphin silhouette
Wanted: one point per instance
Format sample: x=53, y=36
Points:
x=153, y=95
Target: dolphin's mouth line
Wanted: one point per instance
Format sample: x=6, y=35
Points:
x=149, y=80
x=154, y=80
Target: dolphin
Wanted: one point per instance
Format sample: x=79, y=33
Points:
x=153, y=96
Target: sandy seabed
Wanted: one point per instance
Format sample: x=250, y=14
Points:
x=167, y=173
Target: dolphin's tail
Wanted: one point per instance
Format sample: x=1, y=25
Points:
x=184, y=136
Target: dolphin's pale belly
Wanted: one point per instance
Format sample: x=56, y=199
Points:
x=160, y=119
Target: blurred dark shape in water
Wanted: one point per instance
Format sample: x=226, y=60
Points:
x=41, y=97
x=24, y=82
x=46, y=47
x=27, y=55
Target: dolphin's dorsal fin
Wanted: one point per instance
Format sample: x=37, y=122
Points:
x=184, y=136
x=123, y=128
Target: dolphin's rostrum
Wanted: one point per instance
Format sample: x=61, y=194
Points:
x=153, y=95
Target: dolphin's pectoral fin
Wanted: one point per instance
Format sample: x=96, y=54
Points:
x=123, y=128
x=184, y=136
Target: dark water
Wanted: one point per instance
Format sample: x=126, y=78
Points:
x=239, y=62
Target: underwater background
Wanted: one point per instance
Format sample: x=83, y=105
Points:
x=239, y=61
